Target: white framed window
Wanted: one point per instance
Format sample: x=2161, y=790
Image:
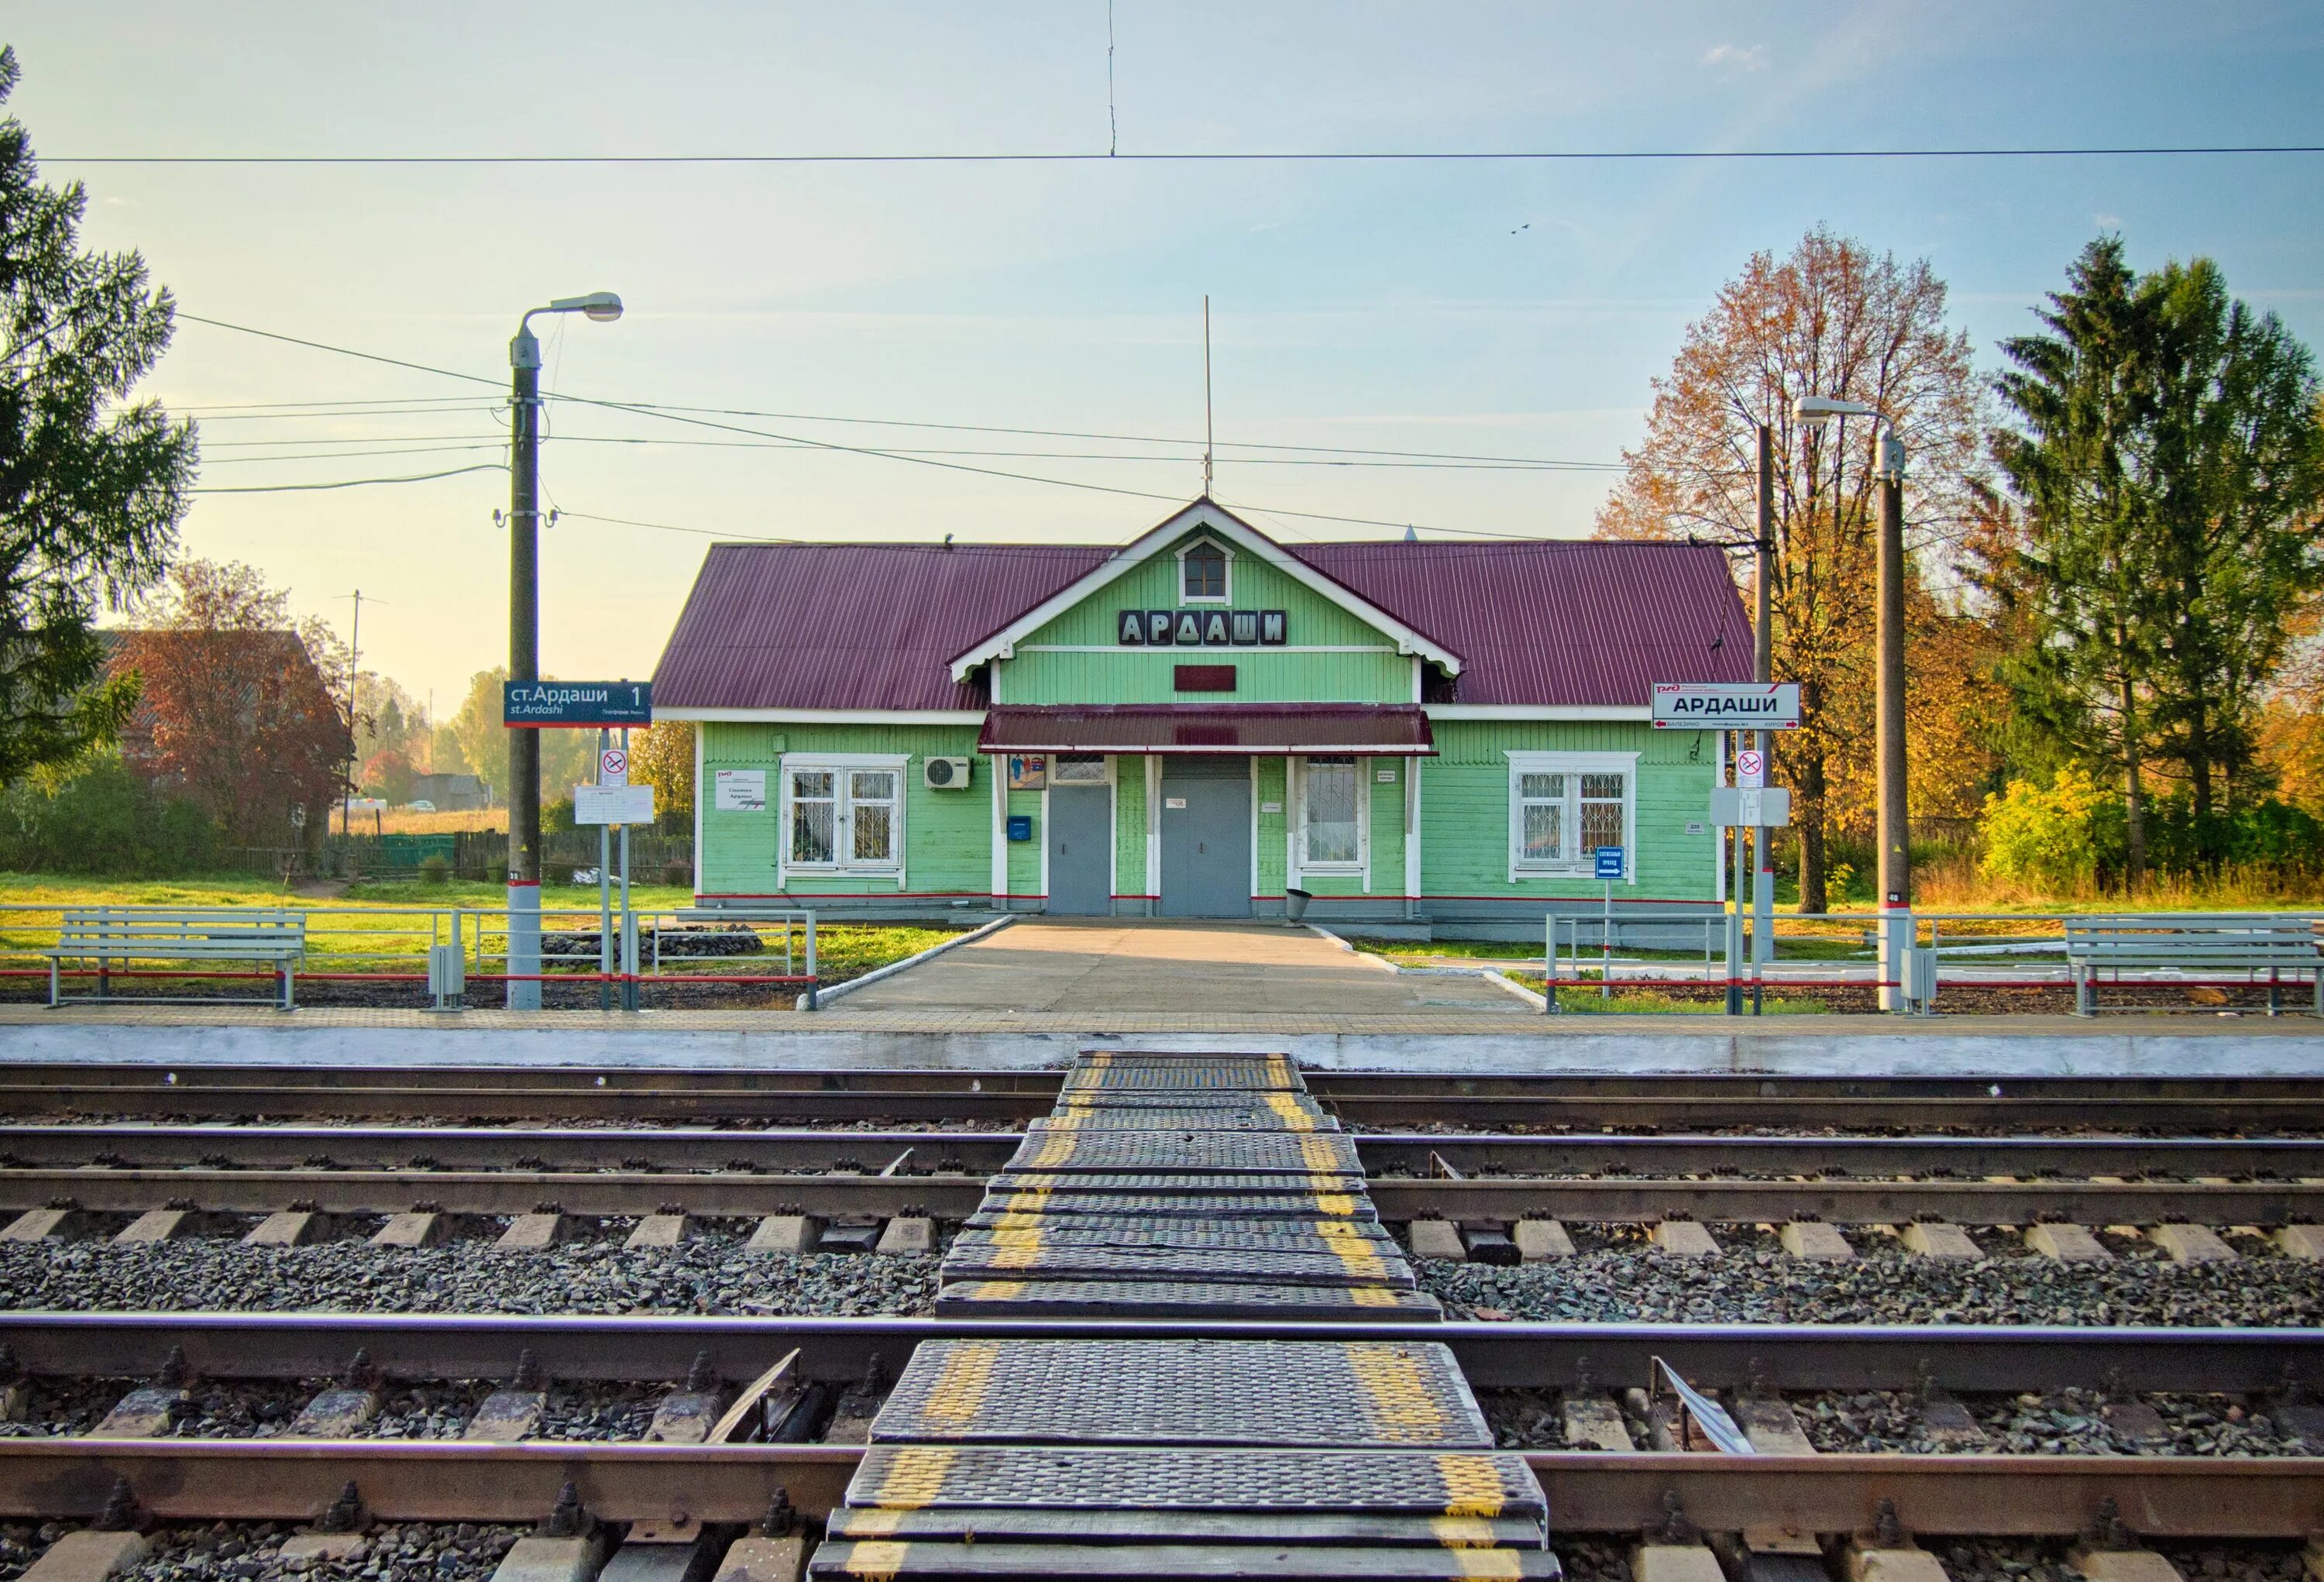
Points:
x=1564, y=806
x=1331, y=815
x=843, y=814
x=1080, y=769
x=1205, y=569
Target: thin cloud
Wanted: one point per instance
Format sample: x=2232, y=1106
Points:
x=1737, y=57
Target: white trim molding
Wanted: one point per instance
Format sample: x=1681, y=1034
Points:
x=1625, y=765
x=1236, y=532
x=1227, y=583
x=841, y=866
x=699, y=797
x=1638, y=711
x=826, y=716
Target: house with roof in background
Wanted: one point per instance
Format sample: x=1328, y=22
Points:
x=1422, y=736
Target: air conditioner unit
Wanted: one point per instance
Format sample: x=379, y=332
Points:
x=946, y=773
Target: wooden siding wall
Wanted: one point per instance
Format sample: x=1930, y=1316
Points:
x=1464, y=818
x=1115, y=674
x=1129, y=827
x=946, y=833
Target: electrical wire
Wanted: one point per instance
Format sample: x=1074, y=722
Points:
x=418, y=477
x=766, y=434
x=1257, y=156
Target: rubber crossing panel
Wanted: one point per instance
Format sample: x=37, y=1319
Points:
x=1179, y=1149
x=1184, y=1187
x=1281, y=1392
x=1160, y=1299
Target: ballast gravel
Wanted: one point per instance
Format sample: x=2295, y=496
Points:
x=712, y=1274
x=1633, y=1282
x=243, y=1552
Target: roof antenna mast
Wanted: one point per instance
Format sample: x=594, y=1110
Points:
x=1206, y=396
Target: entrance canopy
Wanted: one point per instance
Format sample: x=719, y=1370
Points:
x=1391, y=730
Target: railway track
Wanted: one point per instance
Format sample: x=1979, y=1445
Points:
x=1359, y=1100
x=78, y=1171
x=1175, y=1335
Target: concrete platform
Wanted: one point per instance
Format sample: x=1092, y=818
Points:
x=1116, y=967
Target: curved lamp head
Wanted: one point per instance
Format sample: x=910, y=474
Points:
x=605, y=306
x=1816, y=411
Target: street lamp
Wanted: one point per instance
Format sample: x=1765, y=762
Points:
x=1895, y=856
x=524, y=641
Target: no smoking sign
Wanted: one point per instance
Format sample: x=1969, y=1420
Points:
x=613, y=766
x=1750, y=768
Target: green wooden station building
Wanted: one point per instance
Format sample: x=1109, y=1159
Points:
x=1423, y=736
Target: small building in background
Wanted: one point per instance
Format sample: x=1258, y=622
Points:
x=451, y=793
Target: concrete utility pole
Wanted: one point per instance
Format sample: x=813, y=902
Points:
x=524, y=665
x=524, y=642
x=1895, y=824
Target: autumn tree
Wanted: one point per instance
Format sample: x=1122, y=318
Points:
x=1834, y=320
x=663, y=758
x=92, y=483
x=236, y=712
x=568, y=757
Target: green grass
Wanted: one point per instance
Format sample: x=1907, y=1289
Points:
x=1585, y=999
x=382, y=941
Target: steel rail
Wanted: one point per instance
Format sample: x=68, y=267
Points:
x=1632, y=1200
x=271, y=1146
x=1372, y=1099
x=735, y=1194
x=1967, y=1359
x=289, y=1480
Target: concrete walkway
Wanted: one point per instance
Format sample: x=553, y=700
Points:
x=1112, y=967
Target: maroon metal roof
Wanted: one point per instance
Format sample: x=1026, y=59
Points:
x=1557, y=623
x=1391, y=730
x=850, y=625
x=864, y=626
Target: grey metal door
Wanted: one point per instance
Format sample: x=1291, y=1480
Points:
x=1081, y=850
x=1206, y=838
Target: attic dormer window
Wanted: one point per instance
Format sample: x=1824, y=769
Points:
x=1203, y=575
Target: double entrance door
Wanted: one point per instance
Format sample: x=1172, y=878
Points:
x=1205, y=824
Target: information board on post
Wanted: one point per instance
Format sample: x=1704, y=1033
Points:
x=584, y=705
x=1726, y=705
x=1751, y=807
x=612, y=804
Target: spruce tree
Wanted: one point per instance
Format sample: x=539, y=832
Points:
x=92, y=487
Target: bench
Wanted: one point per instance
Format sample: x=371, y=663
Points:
x=107, y=935
x=2245, y=944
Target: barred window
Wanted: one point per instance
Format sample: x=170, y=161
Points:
x=1564, y=807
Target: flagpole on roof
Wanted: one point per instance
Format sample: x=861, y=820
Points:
x=1206, y=396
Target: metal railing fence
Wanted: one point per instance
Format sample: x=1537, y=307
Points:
x=440, y=950
x=1809, y=951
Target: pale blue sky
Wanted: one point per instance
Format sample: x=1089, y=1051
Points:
x=1393, y=306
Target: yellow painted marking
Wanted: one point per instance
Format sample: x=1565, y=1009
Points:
x=1026, y=1205
x=1059, y=1146
x=1488, y=1562
x=878, y=1562
x=1340, y=1205
x=1372, y=1296
x=1396, y=1391
x=1016, y=1249
x=1294, y=1119
x=872, y=1523
x=996, y=1290
x=1472, y=1485
x=1359, y=1255
x=1316, y=1153
x=1012, y=1220
x=1279, y=1070
x=959, y=1392
x=916, y=1475
x=1463, y=1532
